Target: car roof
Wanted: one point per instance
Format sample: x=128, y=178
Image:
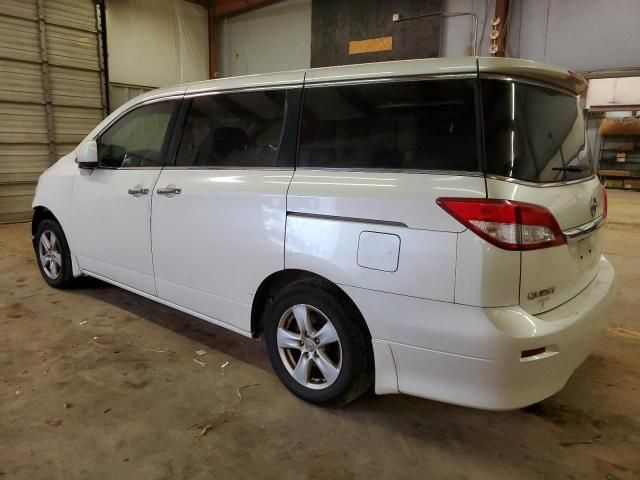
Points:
x=485, y=66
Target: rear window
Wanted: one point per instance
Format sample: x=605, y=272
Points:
x=533, y=133
x=415, y=125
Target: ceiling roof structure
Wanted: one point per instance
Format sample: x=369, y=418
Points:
x=223, y=8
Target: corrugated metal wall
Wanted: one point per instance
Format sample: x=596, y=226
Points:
x=52, y=91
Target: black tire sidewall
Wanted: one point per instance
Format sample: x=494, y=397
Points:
x=66, y=272
x=356, y=346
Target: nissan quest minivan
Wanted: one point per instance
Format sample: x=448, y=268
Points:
x=427, y=227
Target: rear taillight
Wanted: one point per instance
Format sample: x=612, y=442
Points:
x=606, y=203
x=506, y=224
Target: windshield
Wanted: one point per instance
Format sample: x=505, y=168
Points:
x=533, y=133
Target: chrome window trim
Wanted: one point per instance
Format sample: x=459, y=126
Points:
x=529, y=81
x=541, y=184
x=577, y=233
x=459, y=173
x=399, y=78
x=224, y=167
x=204, y=93
x=128, y=168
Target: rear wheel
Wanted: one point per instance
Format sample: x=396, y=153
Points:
x=318, y=344
x=52, y=254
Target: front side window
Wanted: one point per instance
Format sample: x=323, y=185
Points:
x=233, y=130
x=415, y=125
x=533, y=133
x=137, y=139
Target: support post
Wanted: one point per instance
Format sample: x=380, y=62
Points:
x=500, y=28
x=46, y=83
x=214, y=41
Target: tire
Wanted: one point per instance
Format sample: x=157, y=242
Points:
x=55, y=262
x=339, y=362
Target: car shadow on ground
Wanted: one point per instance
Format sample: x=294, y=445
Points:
x=217, y=338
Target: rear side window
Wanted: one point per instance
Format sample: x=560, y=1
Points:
x=533, y=133
x=233, y=130
x=137, y=139
x=419, y=125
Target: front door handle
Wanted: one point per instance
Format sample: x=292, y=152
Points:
x=138, y=190
x=169, y=190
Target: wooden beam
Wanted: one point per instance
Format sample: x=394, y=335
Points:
x=223, y=8
x=502, y=13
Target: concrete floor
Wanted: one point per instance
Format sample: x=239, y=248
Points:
x=99, y=383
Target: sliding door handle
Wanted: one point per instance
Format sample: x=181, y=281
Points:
x=169, y=190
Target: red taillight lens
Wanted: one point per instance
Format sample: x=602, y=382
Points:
x=606, y=202
x=506, y=224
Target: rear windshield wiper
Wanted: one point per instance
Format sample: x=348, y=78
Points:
x=571, y=168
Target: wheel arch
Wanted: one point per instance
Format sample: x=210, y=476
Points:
x=41, y=213
x=281, y=279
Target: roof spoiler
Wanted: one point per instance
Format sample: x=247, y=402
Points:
x=557, y=76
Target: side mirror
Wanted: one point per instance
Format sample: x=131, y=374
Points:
x=87, y=155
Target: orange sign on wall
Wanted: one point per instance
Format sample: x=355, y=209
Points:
x=370, y=45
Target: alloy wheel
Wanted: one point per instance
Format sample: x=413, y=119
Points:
x=50, y=254
x=309, y=346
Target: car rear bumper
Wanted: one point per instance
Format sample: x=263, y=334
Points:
x=474, y=358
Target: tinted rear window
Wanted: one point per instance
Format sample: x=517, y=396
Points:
x=533, y=133
x=422, y=125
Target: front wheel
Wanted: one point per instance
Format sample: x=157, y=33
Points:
x=318, y=344
x=52, y=254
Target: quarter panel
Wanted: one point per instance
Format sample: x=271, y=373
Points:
x=401, y=197
x=329, y=247
x=328, y=209
x=486, y=276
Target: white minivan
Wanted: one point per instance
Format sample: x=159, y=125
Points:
x=430, y=227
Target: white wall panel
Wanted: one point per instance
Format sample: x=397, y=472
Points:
x=270, y=39
x=582, y=35
x=593, y=35
x=156, y=43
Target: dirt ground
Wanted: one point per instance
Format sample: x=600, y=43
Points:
x=99, y=383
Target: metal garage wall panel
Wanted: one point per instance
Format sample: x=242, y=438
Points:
x=73, y=123
x=75, y=87
x=19, y=39
x=72, y=48
x=78, y=14
x=23, y=123
x=15, y=201
x=20, y=8
x=63, y=148
x=51, y=91
x=20, y=82
x=22, y=163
